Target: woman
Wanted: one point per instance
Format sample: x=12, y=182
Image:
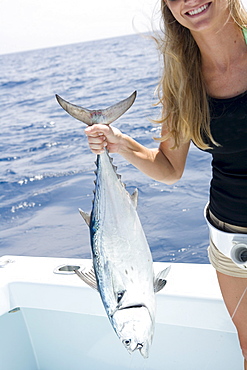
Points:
x=204, y=99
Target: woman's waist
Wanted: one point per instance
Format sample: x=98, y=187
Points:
x=231, y=240
x=225, y=226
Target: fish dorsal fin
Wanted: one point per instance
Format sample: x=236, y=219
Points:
x=85, y=216
x=88, y=277
x=160, y=279
x=134, y=198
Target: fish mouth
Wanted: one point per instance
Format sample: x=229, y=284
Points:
x=136, y=333
x=126, y=343
x=143, y=348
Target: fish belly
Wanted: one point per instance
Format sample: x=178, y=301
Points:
x=122, y=258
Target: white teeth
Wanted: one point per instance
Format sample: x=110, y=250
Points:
x=199, y=10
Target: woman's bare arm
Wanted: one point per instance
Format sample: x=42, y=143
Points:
x=162, y=164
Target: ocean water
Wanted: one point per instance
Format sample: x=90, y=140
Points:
x=47, y=169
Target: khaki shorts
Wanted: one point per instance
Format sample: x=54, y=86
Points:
x=219, y=261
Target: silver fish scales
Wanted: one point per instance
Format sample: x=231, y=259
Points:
x=122, y=262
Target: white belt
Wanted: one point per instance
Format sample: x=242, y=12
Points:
x=232, y=245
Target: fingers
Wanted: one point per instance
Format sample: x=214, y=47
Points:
x=97, y=129
x=96, y=139
x=97, y=142
x=101, y=136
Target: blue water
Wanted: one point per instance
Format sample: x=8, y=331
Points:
x=47, y=169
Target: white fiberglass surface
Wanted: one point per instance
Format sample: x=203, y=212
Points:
x=16, y=352
x=33, y=339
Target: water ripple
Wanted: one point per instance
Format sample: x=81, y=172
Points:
x=46, y=170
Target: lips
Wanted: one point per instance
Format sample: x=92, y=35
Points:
x=198, y=10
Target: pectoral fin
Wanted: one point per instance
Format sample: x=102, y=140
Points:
x=160, y=279
x=88, y=277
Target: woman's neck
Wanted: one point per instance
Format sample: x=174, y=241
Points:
x=224, y=61
x=220, y=49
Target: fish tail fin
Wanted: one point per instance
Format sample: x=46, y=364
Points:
x=103, y=116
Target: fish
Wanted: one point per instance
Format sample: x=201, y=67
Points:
x=122, y=269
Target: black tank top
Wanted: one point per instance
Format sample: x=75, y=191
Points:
x=228, y=190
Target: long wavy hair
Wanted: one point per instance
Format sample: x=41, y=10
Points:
x=182, y=93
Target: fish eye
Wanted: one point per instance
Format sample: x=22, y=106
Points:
x=127, y=342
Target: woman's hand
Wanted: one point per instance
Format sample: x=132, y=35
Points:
x=101, y=136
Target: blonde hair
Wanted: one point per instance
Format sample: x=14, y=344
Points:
x=182, y=92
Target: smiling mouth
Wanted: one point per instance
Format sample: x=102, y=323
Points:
x=199, y=10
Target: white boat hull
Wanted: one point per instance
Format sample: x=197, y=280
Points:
x=53, y=321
